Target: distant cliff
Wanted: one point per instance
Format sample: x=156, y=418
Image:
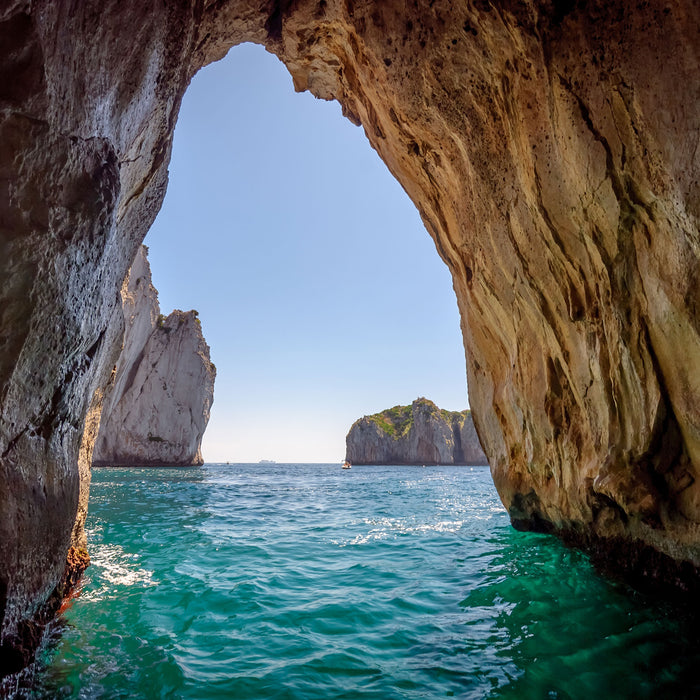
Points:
x=417, y=434
x=158, y=402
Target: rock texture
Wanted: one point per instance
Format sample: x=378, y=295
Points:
x=157, y=406
x=551, y=147
x=417, y=434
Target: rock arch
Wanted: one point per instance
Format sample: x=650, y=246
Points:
x=552, y=150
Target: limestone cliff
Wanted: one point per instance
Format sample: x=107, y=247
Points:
x=417, y=434
x=157, y=406
x=552, y=150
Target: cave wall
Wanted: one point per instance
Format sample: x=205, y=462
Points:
x=552, y=150
x=84, y=141
x=554, y=159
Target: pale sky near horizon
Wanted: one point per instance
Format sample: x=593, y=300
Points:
x=320, y=292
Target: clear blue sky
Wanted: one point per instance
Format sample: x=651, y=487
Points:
x=319, y=290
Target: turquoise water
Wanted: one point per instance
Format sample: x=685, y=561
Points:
x=307, y=581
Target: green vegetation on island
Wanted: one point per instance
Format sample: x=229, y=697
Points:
x=398, y=420
x=420, y=433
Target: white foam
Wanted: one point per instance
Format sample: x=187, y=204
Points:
x=384, y=528
x=112, y=567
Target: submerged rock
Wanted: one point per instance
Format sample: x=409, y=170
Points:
x=551, y=149
x=417, y=434
x=157, y=408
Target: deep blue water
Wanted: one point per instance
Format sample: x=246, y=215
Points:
x=307, y=581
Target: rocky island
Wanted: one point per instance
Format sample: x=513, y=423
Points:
x=417, y=434
x=551, y=148
x=157, y=404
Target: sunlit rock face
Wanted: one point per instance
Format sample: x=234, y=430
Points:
x=156, y=406
x=551, y=148
x=417, y=434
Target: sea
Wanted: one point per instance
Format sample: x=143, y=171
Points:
x=303, y=581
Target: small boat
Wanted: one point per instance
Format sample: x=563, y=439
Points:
x=347, y=465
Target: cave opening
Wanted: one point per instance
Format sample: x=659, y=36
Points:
x=320, y=292
x=580, y=99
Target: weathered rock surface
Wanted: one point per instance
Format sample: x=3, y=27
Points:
x=552, y=150
x=417, y=434
x=157, y=407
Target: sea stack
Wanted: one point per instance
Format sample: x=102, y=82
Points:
x=417, y=434
x=157, y=406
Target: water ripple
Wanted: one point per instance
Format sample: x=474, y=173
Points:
x=300, y=581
